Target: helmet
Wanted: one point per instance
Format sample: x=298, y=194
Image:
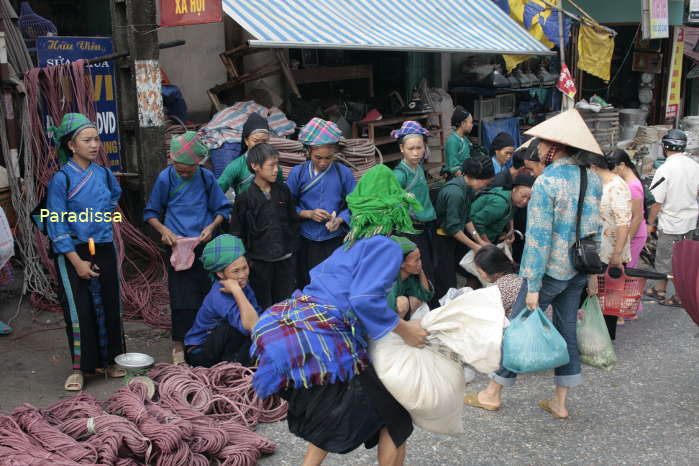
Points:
x=675, y=140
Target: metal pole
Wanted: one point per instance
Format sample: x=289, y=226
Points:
x=567, y=102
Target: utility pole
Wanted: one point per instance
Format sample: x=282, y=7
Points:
x=141, y=117
x=567, y=101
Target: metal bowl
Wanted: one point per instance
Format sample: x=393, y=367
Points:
x=134, y=360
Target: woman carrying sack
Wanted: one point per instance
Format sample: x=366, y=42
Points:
x=547, y=260
x=312, y=348
x=81, y=186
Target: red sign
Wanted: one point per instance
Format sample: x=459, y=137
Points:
x=565, y=82
x=184, y=12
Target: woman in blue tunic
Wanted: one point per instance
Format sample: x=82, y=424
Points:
x=80, y=204
x=312, y=348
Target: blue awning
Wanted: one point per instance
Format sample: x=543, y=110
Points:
x=473, y=26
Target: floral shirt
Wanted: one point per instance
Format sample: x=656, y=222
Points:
x=551, y=222
x=615, y=211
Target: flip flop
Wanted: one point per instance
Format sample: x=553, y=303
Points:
x=544, y=404
x=672, y=302
x=656, y=294
x=4, y=328
x=74, y=383
x=471, y=399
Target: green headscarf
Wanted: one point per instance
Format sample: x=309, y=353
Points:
x=221, y=252
x=379, y=206
x=72, y=123
x=405, y=244
x=188, y=149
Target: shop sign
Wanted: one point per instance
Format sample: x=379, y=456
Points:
x=54, y=51
x=693, y=16
x=149, y=93
x=674, y=87
x=565, y=82
x=184, y=12
x=659, y=25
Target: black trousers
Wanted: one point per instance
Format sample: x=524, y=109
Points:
x=611, y=326
x=187, y=288
x=424, y=244
x=224, y=343
x=447, y=255
x=82, y=327
x=312, y=253
x=272, y=281
x=520, y=223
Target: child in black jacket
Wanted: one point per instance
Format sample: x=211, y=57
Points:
x=265, y=218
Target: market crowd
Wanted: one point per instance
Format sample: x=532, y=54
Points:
x=297, y=276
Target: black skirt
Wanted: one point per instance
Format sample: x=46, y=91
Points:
x=341, y=416
x=188, y=288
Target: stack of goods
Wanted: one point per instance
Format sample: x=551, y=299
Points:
x=291, y=153
x=604, y=126
x=227, y=125
x=200, y=417
x=359, y=155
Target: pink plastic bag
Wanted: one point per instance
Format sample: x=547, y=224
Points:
x=182, y=256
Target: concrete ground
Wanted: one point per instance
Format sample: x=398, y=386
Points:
x=644, y=412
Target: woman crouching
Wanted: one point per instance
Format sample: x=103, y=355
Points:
x=312, y=348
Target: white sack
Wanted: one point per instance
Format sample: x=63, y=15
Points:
x=7, y=241
x=430, y=385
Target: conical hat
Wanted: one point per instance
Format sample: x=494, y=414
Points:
x=567, y=128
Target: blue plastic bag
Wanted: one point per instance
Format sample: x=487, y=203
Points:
x=531, y=344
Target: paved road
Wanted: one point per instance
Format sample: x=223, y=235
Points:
x=645, y=412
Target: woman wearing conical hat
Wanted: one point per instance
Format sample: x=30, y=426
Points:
x=547, y=260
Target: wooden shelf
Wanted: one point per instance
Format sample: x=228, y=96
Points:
x=396, y=122
x=335, y=73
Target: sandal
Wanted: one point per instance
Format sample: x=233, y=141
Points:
x=545, y=405
x=656, y=294
x=472, y=400
x=178, y=357
x=673, y=302
x=112, y=371
x=74, y=382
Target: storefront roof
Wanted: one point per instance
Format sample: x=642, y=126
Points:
x=475, y=26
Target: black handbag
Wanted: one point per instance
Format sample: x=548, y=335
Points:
x=585, y=256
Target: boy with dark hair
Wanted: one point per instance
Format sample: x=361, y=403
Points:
x=265, y=218
x=506, y=178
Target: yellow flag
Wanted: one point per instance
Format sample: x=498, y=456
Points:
x=595, y=50
x=536, y=31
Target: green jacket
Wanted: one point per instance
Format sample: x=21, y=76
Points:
x=237, y=176
x=456, y=150
x=491, y=211
x=453, y=205
x=415, y=182
x=411, y=286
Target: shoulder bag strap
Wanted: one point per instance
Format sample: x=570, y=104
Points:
x=581, y=201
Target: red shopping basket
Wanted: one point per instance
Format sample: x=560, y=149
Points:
x=620, y=296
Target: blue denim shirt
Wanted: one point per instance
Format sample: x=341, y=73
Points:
x=551, y=222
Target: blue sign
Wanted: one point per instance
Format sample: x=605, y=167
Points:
x=54, y=51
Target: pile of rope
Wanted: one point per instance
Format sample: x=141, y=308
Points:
x=200, y=416
x=359, y=155
x=60, y=90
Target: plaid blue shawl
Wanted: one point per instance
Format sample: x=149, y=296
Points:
x=301, y=342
